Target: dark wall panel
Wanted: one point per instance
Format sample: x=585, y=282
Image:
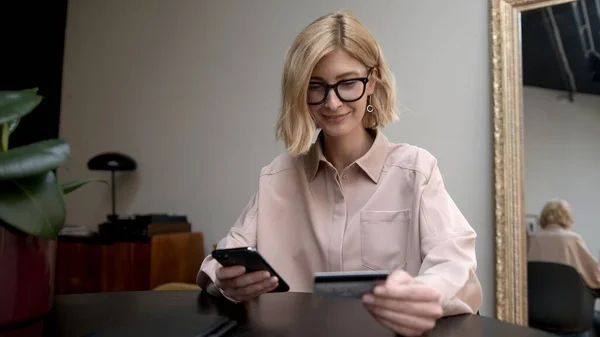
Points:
x=32, y=48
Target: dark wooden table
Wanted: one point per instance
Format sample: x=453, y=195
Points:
x=281, y=315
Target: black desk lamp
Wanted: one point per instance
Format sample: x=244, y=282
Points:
x=112, y=161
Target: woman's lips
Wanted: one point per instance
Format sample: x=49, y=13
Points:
x=335, y=118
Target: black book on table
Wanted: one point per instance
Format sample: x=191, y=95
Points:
x=173, y=325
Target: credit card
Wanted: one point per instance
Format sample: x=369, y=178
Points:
x=347, y=285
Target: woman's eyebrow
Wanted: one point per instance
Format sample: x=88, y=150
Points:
x=346, y=74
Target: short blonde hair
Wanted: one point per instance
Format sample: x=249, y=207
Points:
x=556, y=212
x=339, y=30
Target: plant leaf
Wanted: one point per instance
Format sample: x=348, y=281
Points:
x=75, y=184
x=5, y=130
x=29, y=160
x=16, y=104
x=12, y=125
x=34, y=205
x=4, y=137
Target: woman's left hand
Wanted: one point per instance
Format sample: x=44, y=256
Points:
x=406, y=307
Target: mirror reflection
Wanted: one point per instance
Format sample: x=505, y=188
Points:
x=561, y=116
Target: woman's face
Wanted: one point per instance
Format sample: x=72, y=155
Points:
x=339, y=112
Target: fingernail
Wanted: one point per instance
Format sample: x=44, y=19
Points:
x=368, y=299
x=379, y=290
x=266, y=274
x=274, y=279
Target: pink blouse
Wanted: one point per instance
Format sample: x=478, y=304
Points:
x=387, y=210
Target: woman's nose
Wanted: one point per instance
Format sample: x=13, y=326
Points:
x=333, y=101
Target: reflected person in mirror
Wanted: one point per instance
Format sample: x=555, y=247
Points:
x=351, y=200
x=557, y=243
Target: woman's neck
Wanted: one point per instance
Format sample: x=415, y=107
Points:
x=343, y=151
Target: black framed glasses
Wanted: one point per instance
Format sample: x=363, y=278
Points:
x=347, y=90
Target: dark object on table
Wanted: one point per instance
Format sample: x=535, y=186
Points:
x=281, y=315
x=112, y=161
x=178, y=325
x=559, y=300
x=142, y=227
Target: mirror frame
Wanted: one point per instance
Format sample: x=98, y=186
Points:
x=507, y=100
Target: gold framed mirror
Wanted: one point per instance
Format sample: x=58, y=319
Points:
x=507, y=102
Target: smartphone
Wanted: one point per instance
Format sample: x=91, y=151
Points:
x=251, y=259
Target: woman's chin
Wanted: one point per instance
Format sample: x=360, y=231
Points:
x=337, y=130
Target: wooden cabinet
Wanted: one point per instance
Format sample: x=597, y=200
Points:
x=87, y=265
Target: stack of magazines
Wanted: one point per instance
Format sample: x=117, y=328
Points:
x=76, y=230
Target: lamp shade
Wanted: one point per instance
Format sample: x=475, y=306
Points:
x=112, y=161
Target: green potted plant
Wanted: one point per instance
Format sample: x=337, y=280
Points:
x=32, y=213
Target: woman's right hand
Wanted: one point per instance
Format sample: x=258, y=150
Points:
x=239, y=286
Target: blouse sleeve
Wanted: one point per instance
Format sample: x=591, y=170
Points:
x=587, y=265
x=242, y=234
x=447, y=249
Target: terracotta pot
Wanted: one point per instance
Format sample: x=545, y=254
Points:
x=26, y=276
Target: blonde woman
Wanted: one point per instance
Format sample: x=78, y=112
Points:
x=351, y=200
x=555, y=242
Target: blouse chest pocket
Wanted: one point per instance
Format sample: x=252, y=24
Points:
x=384, y=236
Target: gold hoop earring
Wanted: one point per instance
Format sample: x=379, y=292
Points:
x=369, y=106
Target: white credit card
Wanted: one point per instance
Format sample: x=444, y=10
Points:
x=347, y=285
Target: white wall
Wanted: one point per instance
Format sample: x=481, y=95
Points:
x=562, y=156
x=190, y=89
